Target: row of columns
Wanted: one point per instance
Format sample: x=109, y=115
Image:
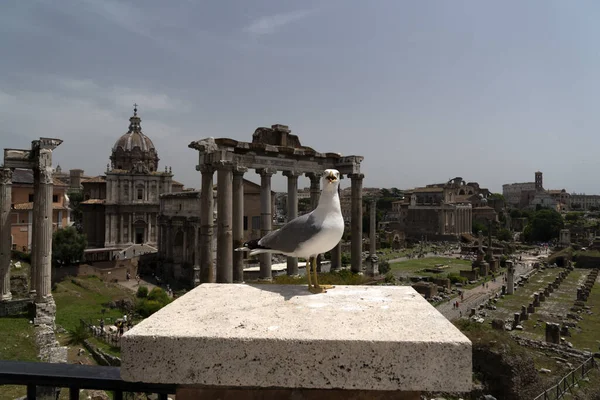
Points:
x=230, y=230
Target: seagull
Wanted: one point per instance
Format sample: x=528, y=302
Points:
x=308, y=235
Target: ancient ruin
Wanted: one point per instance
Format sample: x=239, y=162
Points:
x=38, y=159
x=372, y=266
x=271, y=150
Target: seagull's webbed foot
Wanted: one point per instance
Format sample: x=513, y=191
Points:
x=308, y=273
x=319, y=288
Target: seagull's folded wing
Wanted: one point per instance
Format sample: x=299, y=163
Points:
x=290, y=236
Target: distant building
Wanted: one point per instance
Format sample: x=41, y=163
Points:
x=121, y=207
x=72, y=179
x=533, y=195
x=441, y=211
x=179, y=226
x=584, y=202
x=21, y=214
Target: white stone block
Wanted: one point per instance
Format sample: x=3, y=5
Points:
x=352, y=337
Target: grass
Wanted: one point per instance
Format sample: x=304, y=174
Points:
x=418, y=266
x=524, y=295
x=17, y=344
x=343, y=277
x=83, y=298
x=588, y=337
x=17, y=340
x=105, y=347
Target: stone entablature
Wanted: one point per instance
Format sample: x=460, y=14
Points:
x=272, y=150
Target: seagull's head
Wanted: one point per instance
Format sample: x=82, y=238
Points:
x=331, y=178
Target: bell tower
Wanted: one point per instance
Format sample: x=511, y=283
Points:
x=539, y=181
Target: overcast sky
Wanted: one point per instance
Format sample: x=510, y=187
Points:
x=424, y=90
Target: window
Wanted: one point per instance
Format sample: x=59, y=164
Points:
x=14, y=246
x=140, y=194
x=245, y=222
x=256, y=222
x=30, y=198
x=55, y=198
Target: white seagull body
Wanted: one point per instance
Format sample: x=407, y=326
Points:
x=311, y=234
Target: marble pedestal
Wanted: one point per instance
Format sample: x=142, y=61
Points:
x=383, y=341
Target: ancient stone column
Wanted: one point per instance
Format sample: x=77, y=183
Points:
x=42, y=241
x=536, y=300
x=480, y=241
x=224, y=223
x=206, y=220
x=552, y=333
x=315, y=193
x=238, y=222
x=356, y=221
x=524, y=314
x=510, y=277
x=5, y=232
x=315, y=188
x=266, y=219
x=373, y=227
x=336, y=252
x=373, y=267
x=196, y=277
x=292, y=212
x=121, y=228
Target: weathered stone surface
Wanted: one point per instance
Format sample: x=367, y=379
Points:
x=352, y=337
x=14, y=307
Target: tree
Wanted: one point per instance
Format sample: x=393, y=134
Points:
x=504, y=234
x=156, y=299
x=497, y=196
x=544, y=226
x=304, y=206
x=478, y=226
x=573, y=217
x=75, y=199
x=67, y=246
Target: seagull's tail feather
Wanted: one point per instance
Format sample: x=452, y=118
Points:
x=254, y=248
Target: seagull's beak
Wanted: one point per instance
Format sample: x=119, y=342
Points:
x=331, y=177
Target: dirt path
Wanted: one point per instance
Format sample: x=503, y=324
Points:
x=133, y=285
x=474, y=297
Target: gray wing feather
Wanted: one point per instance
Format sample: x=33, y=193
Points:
x=287, y=238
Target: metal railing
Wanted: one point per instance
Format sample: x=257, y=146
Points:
x=76, y=377
x=568, y=381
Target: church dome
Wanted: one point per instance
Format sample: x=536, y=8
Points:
x=134, y=150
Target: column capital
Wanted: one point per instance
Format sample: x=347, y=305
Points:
x=205, y=168
x=266, y=171
x=239, y=170
x=6, y=176
x=356, y=176
x=292, y=174
x=314, y=175
x=224, y=165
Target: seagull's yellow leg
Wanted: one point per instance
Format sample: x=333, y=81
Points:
x=308, y=273
x=317, y=288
